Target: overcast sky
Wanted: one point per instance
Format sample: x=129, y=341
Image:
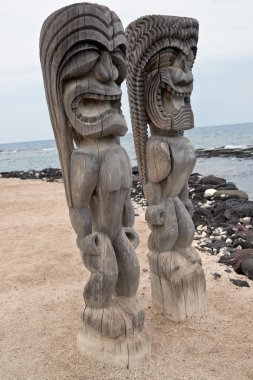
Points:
x=223, y=68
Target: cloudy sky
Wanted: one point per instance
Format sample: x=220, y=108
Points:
x=223, y=69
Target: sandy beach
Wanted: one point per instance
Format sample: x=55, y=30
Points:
x=42, y=280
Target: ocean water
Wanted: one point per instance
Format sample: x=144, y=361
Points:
x=43, y=154
x=237, y=170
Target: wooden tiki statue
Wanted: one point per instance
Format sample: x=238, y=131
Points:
x=82, y=51
x=160, y=54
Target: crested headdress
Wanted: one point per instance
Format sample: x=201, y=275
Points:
x=145, y=37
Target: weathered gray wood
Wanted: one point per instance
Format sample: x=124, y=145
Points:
x=160, y=54
x=126, y=353
x=82, y=50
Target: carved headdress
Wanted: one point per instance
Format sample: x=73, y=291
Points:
x=146, y=37
x=62, y=45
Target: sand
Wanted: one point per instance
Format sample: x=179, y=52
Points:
x=42, y=279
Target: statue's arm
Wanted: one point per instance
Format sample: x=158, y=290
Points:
x=158, y=163
x=128, y=212
x=84, y=170
x=184, y=197
x=158, y=159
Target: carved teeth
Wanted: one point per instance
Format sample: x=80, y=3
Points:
x=175, y=93
x=95, y=119
x=96, y=96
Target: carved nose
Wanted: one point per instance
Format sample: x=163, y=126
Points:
x=105, y=71
x=184, y=80
x=182, y=75
x=182, y=63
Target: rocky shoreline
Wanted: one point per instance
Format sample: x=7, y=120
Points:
x=238, y=152
x=47, y=174
x=223, y=216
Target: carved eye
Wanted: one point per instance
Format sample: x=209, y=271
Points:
x=171, y=58
x=190, y=58
x=118, y=56
x=168, y=57
x=88, y=46
x=119, y=51
x=82, y=61
x=118, y=60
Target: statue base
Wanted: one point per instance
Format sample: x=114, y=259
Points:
x=178, y=283
x=123, y=351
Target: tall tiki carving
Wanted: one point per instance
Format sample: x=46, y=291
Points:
x=160, y=54
x=82, y=51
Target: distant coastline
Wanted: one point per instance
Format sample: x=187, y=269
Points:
x=225, y=151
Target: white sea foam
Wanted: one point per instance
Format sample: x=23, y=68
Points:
x=237, y=146
x=12, y=151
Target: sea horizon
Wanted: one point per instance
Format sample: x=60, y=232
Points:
x=131, y=132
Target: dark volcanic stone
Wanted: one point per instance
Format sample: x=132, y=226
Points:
x=245, y=244
x=222, y=152
x=232, y=209
x=228, y=186
x=240, y=207
x=202, y=188
x=212, y=179
x=218, y=219
x=218, y=244
x=237, y=258
x=230, y=231
x=239, y=283
x=50, y=174
x=231, y=194
x=247, y=267
x=224, y=259
x=216, y=275
x=204, y=212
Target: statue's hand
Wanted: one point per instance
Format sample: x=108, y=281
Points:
x=155, y=215
x=132, y=236
x=189, y=207
x=90, y=244
x=152, y=192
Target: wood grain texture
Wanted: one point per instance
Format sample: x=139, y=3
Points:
x=82, y=50
x=126, y=353
x=160, y=55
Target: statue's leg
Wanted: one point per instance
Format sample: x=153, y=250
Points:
x=128, y=278
x=112, y=327
x=101, y=313
x=177, y=278
x=128, y=266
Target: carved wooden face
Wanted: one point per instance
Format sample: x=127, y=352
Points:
x=176, y=76
x=91, y=90
x=168, y=86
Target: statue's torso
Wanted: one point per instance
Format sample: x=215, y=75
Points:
x=106, y=182
x=178, y=155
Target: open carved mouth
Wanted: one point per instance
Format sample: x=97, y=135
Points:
x=92, y=107
x=172, y=101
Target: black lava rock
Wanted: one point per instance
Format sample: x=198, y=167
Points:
x=240, y=283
